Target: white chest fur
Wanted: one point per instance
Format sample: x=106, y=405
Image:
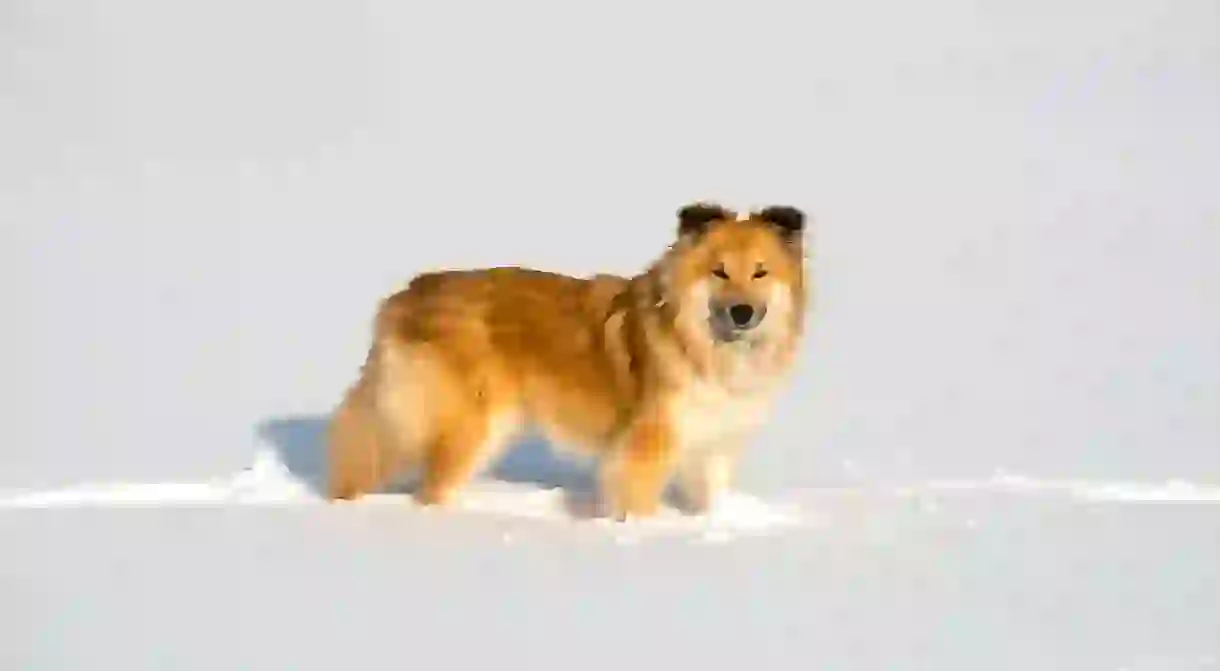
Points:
x=709, y=416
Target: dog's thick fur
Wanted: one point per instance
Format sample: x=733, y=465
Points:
x=647, y=373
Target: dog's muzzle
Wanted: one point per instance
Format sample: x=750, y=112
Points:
x=732, y=321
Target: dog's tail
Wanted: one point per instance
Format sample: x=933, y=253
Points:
x=379, y=429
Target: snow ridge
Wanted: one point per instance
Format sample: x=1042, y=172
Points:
x=268, y=482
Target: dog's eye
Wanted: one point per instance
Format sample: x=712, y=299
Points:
x=761, y=272
x=719, y=272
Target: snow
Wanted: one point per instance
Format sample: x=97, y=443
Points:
x=869, y=579
x=268, y=482
x=999, y=450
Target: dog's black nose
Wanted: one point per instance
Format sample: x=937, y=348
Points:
x=741, y=314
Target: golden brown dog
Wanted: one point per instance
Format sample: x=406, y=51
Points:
x=664, y=373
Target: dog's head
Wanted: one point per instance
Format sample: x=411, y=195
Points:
x=741, y=278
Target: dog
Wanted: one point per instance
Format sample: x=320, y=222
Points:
x=659, y=376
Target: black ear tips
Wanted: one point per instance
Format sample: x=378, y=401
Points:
x=786, y=217
x=695, y=217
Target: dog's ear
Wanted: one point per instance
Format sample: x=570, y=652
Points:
x=694, y=218
x=788, y=219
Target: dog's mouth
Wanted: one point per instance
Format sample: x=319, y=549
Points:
x=723, y=334
x=738, y=323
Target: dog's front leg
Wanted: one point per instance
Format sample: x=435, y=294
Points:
x=707, y=473
x=633, y=479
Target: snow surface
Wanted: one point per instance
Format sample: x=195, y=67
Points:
x=1001, y=451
